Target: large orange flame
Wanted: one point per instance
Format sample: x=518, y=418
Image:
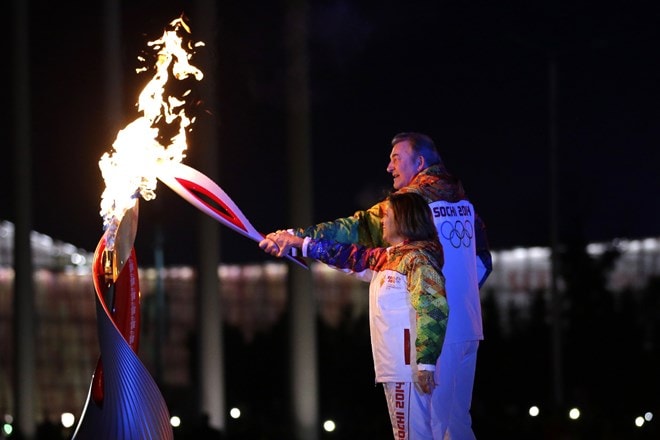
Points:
x=130, y=170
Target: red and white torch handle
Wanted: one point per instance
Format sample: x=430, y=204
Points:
x=204, y=194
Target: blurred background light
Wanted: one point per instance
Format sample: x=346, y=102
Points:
x=67, y=419
x=329, y=426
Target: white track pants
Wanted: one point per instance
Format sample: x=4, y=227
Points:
x=452, y=396
x=410, y=411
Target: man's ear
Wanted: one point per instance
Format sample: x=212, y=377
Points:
x=421, y=163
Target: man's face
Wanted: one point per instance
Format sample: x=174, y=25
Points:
x=404, y=164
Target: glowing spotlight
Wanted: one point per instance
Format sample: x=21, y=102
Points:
x=67, y=419
x=234, y=413
x=175, y=421
x=534, y=411
x=639, y=421
x=329, y=426
x=574, y=414
x=648, y=416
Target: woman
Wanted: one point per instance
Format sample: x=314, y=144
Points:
x=407, y=304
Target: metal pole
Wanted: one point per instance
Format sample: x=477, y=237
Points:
x=554, y=235
x=211, y=348
x=24, y=295
x=160, y=318
x=112, y=65
x=304, y=372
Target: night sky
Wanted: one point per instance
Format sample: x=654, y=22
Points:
x=471, y=74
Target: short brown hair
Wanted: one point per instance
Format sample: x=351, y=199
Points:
x=412, y=216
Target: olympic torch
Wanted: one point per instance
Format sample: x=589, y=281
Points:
x=205, y=195
x=124, y=401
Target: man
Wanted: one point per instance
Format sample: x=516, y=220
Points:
x=416, y=166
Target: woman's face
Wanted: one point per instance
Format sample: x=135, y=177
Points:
x=390, y=230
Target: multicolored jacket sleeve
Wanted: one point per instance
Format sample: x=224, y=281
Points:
x=427, y=296
x=346, y=256
x=363, y=227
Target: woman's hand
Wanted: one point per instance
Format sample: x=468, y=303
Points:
x=424, y=381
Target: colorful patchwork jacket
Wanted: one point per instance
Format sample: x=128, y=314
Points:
x=408, y=308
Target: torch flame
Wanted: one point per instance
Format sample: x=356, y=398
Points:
x=130, y=171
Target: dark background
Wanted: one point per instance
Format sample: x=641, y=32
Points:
x=472, y=74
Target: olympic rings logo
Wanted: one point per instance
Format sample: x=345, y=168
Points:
x=458, y=234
